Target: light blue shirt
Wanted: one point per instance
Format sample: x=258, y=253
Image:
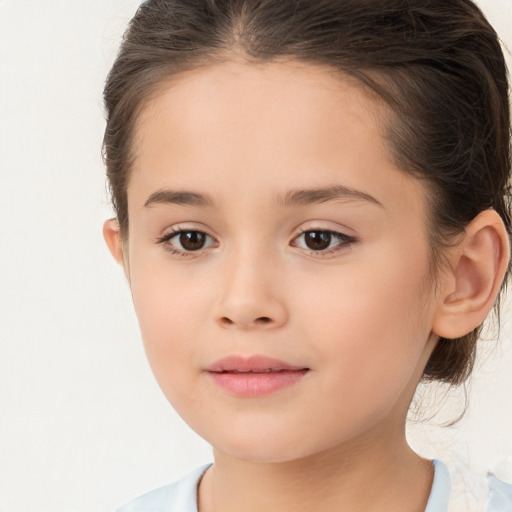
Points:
x=181, y=496
x=441, y=488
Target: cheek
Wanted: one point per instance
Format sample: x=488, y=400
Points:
x=168, y=307
x=374, y=322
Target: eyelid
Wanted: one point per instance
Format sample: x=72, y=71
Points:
x=346, y=241
x=175, y=231
x=184, y=226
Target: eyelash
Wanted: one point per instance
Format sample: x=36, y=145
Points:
x=345, y=241
x=165, y=241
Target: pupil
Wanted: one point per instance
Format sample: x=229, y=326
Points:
x=192, y=240
x=317, y=240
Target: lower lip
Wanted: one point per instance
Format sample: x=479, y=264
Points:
x=251, y=384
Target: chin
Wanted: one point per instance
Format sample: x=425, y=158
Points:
x=272, y=448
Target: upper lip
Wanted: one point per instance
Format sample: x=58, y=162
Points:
x=254, y=363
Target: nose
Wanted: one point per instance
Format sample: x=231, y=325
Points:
x=251, y=296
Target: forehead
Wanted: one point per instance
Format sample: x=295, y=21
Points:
x=226, y=125
x=292, y=98
x=252, y=82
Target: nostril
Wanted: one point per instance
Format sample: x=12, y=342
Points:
x=262, y=320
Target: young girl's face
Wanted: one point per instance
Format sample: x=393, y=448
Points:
x=278, y=260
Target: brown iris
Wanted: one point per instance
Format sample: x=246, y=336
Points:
x=192, y=240
x=317, y=240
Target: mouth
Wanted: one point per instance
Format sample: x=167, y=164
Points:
x=254, y=376
x=267, y=370
x=252, y=364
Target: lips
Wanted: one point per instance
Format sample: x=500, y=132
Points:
x=254, y=376
x=256, y=363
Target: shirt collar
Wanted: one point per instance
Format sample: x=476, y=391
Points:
x=441, y=488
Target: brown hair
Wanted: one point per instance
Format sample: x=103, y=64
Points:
x=437, y=64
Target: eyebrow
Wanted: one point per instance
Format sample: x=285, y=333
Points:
x=304, y=197
x=180, y=197
x=299, y=197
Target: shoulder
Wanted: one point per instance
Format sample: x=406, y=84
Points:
x=500, y=487
x=474, y=491
x=180, y=496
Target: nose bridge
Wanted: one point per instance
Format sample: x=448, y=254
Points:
x=250, y=295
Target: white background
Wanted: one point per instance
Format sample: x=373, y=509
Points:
x=83, y=425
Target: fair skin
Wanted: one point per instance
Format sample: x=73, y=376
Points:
x=297, y=239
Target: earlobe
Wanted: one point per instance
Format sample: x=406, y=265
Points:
x=470, y=286
x=112, y=236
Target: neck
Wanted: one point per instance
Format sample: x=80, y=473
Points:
x=387, y=476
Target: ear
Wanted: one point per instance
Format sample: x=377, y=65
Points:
x=112, y=235
x=471, y=284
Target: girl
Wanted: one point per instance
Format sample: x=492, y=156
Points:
x=311, y=212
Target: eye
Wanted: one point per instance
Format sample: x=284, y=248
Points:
x=184, y=241
x=321, y=240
